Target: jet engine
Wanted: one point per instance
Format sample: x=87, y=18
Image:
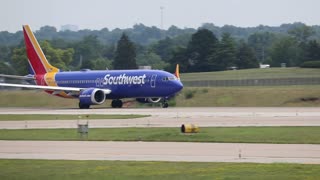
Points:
x=92, y=96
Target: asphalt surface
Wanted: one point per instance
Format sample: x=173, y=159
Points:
x=161, y=151
x=166, y=151
x=172, y=117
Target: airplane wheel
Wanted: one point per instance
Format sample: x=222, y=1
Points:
x=113, y=103
x=84, y=106
x=120, y=103
x=165, y=105
x=117, y=103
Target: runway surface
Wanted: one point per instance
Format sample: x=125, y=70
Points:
x=172, y=117
x=166, y=151
x=161, y=151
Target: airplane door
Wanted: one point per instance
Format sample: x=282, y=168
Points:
x=153, y=81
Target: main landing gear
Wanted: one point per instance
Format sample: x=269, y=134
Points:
x=116, y=103
x=84, y=106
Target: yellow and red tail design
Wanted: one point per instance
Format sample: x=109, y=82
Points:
x=37, y=59
x=177, y=73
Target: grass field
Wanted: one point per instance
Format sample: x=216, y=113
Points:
x=275, y=96
x=26, y=117
x=53, y=169
x=285, y=135
x=270, y=73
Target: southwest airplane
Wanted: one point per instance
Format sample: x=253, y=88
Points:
x=93, y=87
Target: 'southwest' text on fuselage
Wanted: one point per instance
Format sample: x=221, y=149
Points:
x=124, y=80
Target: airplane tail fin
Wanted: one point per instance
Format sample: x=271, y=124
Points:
x=30, y=69
x=37, y=60
x=177, y=73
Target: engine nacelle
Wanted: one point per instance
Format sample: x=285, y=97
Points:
x=148, y=100
x=92, y=96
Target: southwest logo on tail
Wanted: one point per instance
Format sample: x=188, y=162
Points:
x=93, y=87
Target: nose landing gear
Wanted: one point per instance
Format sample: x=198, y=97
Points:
x=164, y=103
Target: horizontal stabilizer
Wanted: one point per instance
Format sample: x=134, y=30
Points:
x=27, y=77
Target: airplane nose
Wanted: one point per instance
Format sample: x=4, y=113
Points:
x=178, y=86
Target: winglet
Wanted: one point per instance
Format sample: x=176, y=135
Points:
x=177, y=73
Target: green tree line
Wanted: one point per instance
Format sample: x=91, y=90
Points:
x=210, y=48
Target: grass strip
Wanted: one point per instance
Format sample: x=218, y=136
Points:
x=62, y=169
x=278, y=135
x=246, y=96
x=269, y=73
x=27, y=117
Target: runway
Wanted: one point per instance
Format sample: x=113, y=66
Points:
x=166, y=151
x=172, y=117
x=161, y=151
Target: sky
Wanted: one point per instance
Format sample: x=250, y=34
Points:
x=98, y=14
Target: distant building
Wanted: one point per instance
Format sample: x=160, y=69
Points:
x=69, y=27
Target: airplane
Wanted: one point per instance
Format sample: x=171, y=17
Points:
x=93, y=87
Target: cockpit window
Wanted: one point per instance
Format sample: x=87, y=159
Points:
x=165, y=79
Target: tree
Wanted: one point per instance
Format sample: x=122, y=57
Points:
x=202, y=44
x=285, y=50
x=5, y=68
x=125, y=56
x=225, y=55
x=151, y=59
x=245, y=57
x=179, y=56
x=46, y=32
x=57, y=57
x=164, y=48
x=20, y=61
x=312, y=51
x=301, y=32
x=261, y=42
x=5, y=53
x=102, y=64
x=86, y=51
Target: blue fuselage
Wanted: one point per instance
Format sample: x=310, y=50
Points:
x=123, y=83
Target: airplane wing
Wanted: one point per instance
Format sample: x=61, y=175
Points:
x=54, y=88
x=27, y=77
